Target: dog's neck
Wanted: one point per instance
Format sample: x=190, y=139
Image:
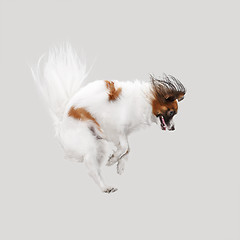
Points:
x=140, y=94
x=148, y=117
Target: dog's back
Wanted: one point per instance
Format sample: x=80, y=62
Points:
x=116, y=106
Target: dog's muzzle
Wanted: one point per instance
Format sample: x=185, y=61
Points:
x=165, y=126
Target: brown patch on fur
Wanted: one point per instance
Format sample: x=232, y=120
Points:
x=164, y=99
x=163, y=107
x=113, y=93
x=83, y=115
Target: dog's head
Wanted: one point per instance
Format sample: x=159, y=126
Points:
x=166, y=93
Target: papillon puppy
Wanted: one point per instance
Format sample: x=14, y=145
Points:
x=89, y=118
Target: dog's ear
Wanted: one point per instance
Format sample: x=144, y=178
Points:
x=167, y=89
x=152, y=77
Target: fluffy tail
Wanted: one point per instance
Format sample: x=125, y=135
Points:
x=59, y=77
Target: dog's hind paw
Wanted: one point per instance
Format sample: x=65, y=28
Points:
x=110, y=190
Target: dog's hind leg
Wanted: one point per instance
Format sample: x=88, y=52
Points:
x=83, y=143
x=93, y=162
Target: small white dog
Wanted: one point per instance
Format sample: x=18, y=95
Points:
x=88, y=118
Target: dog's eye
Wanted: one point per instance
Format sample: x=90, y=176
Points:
x=171, y=113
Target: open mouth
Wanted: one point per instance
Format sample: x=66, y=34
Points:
x=163, y=124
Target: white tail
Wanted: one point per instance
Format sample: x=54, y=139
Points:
x=59, y=78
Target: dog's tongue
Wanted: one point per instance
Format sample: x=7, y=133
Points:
x=163, y=125
x=163, y=121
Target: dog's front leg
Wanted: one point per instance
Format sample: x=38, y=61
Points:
x=121, y=163
x=120, y=154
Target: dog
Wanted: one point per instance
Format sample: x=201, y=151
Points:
x=88, y=118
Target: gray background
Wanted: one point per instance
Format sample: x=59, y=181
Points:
x=177, y=185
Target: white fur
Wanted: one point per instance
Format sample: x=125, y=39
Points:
x=60, y=81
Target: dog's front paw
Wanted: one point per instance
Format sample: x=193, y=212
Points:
x=109, y=189
x=112, y=160
x=120, y=167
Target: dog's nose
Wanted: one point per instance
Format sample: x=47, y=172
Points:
x=172, y=128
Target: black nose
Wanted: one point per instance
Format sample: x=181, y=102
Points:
x=172, y=128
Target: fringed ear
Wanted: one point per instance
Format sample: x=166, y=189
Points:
x=152, y=77
x=168, y=88
x=157, y=89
